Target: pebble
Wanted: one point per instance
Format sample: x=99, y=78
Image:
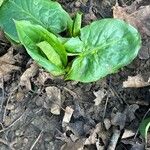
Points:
x=107, y=123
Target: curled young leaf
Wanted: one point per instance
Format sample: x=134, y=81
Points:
x=144, y=127
x=74, y=45
x=50, y=53
x=77, y=24
x=46, y=13
x=30, y=35
x=108, y=45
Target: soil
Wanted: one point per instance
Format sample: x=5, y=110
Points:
x=26, y=119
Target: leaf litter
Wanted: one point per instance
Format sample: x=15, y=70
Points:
x=136, y=17
x=99, y=96
x=54, y=96
x=96, y=135
x=7, y=64
x=139, y=17
x=68, y=114
x=135, y=82
x=25, y=79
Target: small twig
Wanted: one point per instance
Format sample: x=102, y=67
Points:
x=104, y=113
x=75, y=95
x=3, y=93
x=71, y=93
x=121, y=99
x=26, y=124
x=114, y=140
x=37, y=139
x=6, y=128
x=62, y=136
x=6, y=143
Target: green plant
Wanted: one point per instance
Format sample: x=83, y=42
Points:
x=95, y=50
x=1, y=1
x=144, y=127
x=46, y=13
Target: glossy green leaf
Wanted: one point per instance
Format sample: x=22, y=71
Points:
x=30, y=35
x=109, y=44
x=77, y=24
x=46, y=13
x=1, y=2
x=38, y=34
x=74, y=45
x=50, y=53
x=144, y=127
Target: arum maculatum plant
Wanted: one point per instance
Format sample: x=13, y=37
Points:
x=144, y=128
x=94, y=51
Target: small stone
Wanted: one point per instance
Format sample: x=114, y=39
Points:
x=107, y=123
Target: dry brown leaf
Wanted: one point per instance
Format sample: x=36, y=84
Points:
x=27, y=75
x=54, y=94
x=130, y=112
x=99, y=96
x=20, y=95
x=118, y=120
x=68, y=114
x=73, y=137
x=7, y=62
x=138, y=18
x=135, y=82
x=92, y=139
x=98, y=146
x=95, y=134
x=127, y=134
x=44, y=77
x=78, y=145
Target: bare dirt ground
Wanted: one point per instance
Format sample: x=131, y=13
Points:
x=40, y=112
